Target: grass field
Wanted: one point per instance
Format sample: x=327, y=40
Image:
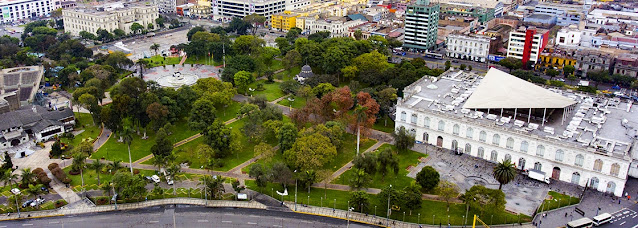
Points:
x=158, y=60
x=400, y=180
x=557, y=200
x=225, y=114
x=90, y=177
x=114, y=150
x=339, y=199
x=271, y=91
x=381, y=126
x=299, y=102
x=276, y=65
x=344, y=154
x=288, y=74
x=91, y=130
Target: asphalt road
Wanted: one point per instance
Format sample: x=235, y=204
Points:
x=625, y=218
x=185, y=216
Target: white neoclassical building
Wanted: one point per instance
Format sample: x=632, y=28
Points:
x=109, y=17
x=475, y=48
x=569, y=136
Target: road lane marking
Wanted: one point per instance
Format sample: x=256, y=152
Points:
x=634, y=216
x=252, y=223
x=622, y=223
x=280, y=226
x=228, y=214
x=254, y=216
x=202, y=220
x=28, y=224
x=227, y=221
x=153, y=221
x=56, y=222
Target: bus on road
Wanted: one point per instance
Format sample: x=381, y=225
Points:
x=581, y=223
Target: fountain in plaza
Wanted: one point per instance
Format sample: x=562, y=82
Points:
x=177, y=79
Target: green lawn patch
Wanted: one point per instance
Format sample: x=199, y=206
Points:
x=91, y=130
x=381, y=126
x=344, y=155
x=114, y=150
x=271, y=91
x=288, y=74
x=276, y=65
x=299, y=102
x=201, y=60
x=339, y=200
x=158, y=60
x=557, y=200
x=225, y=114
x=400, y=180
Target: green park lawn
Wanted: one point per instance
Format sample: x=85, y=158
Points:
x=276, y=65
x=344, y=155
x=381, y=126
x=271, y=90
x=288, y=74
x=91, y=130
x=225, y=114
x=400, y=180
x=114, y=150
x=557, y=200
x=159, y=60
x=339, y=199
x=299, y=102
x=90, y=177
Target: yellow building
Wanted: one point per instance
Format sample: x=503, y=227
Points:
x=555, y=60
x=284, y=21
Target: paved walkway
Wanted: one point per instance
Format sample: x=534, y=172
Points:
x=349, y=165
x=64, y=211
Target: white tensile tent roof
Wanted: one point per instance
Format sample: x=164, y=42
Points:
x=502, y=90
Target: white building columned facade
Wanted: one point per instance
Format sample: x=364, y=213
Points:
x=574, y=138
x=108, y=17
x=475, y=48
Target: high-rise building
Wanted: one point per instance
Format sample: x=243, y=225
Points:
x=421, y=25
x=166, y=6
x=22, y=10
x=526, y=44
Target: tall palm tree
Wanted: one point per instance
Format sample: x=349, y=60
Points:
x=504, y=172
x=215, y=186
x=172, y=171
x=10, y=177
x=106, y=188
x=159, y=162
x=155, y=47
x=97, y=166
x=360, y=117
x=27, y=176
x=115, y=166
x=79, y=160
x=127, y=136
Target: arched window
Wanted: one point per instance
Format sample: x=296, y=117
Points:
x=575, y=178
x=441, y=125
x=594, y=183
x=413, y=119
x=482, y=136
x=508, y=157
x=538, y=166
x=481, y=152
x=494, y=156
x=524, y=146
x=615, y=169
x=510, y=143
x=496, y=139
x=559, y=155
x=468, y=148
x=425, y=137
x=469, y=133
x=456, y=129
x=540, y=150
x=580, y=159
x=611, y=187
x=403, y=116
x=598, y=165
x=426, y=122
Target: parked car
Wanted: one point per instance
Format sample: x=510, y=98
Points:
x=27, y=203
x=44, y=189
x=169, y=181
x=15, y=191
x=155, y=179
x=37, y=202
x=149, y=179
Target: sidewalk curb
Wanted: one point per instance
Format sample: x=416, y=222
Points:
x=330, y=216
x=34, y=217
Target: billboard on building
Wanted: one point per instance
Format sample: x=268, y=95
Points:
x=495, y=58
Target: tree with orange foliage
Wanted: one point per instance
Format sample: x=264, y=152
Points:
x=365, y=114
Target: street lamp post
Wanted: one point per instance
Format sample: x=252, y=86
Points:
x=290, y=100
x=375, y=211
x=335, y=205
x=295, y=191
x=17, y=206
x=418, y=220
x=387, y=218
x=308, y=201
x=433, y=219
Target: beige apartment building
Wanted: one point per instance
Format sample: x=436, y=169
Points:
x=109, y=17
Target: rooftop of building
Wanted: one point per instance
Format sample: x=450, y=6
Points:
x=599, y=124
x=524, y=29
x=108, y=8
x=540, y=16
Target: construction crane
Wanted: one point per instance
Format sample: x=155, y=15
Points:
x=477, y=218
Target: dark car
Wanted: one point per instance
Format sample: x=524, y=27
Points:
x=27, y=203
x=44, y=189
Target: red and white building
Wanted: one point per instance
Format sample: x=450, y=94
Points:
x=526, y=44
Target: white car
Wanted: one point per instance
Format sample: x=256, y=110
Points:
x=169, y=181
x=15, y=191
x=37, y=202
x=155, y=179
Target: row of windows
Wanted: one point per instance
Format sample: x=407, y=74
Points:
x=559, y=155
